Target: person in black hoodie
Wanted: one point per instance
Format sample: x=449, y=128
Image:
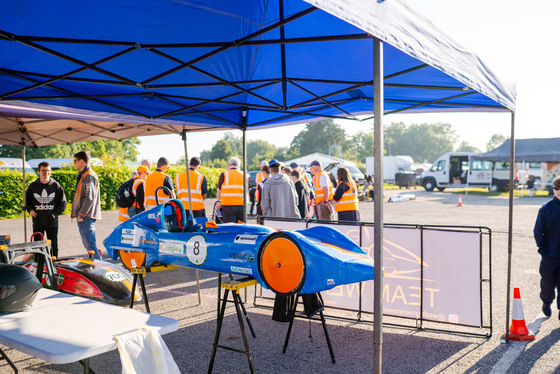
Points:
x=45, y=201
x=302, y=193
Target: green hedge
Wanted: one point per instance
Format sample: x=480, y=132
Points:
x=11, y=198
x=111, y=175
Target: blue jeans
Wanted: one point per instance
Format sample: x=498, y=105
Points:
x=87, y=232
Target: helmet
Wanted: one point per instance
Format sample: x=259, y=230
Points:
x=18, y=288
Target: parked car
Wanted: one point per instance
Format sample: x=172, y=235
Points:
x=253, y=178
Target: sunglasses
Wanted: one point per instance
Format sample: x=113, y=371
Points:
x=556, y=188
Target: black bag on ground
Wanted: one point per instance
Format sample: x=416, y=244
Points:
x=312, y=304
x=283, y=308
x=124, y=196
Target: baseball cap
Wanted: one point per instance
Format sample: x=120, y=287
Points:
x=274, y=162
x=142, y=169
x=294, y=165
x=315, y=163
x=264, y=163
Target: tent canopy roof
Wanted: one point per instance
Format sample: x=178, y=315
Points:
x=227, y=64
x=531, y=150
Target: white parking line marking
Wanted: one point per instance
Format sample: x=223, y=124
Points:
x=515, y=349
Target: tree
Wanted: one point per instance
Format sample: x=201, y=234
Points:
x=425, y=142
x=258, y=150
x=235, y=142
x=318, y=137
x=361, y=146
x=221, y=150
x=466, y=147
x=496, y=140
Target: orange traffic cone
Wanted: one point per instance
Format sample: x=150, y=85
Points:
x=518, y=330
x=460, y=201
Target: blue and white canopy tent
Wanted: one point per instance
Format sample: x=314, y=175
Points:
x=201, y=65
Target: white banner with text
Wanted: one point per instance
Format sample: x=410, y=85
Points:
x=430, y=273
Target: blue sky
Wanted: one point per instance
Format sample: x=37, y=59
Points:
x=515, y=38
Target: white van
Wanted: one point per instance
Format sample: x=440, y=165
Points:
x=456, y=169
x=8, y=163
x=358, y=176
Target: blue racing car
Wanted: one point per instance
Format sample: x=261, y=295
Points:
x=286, y=262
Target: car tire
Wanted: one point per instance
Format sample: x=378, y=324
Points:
x=281, y=264
x=441, y=189
x=429, y=185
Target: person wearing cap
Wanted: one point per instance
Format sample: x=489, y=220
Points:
x=230, y=192
x=279, y=196
x=157, y=179
x=323, y=190
x=547, y=237
x=198, y=188
x=138, y=188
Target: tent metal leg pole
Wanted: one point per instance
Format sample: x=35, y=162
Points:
x=510, y=219
x=245, y=186
x=25, y=239
x=378, y=207
x=184, y=136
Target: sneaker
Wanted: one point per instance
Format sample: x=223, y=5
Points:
x=547, y=311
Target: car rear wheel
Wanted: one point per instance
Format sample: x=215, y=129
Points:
x=281, y=264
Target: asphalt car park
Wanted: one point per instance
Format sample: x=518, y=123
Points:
x=172, y=294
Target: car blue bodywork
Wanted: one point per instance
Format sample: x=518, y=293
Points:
x=315, y=259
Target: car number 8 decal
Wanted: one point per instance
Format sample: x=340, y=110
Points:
x=197, y=250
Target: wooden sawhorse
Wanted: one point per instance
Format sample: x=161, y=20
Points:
x=234, y=286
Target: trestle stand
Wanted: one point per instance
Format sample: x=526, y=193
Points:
x=292, y=317
x=234, y=286
x=140, y=273
x=4, y=357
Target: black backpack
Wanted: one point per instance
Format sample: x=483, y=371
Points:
x=124, y=196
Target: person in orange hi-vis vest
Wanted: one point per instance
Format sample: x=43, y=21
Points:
x=86, y=206
x=230, y=192
x=199, y=188
x=155, y=180
x=323, y=189
x=346, y=196
x=138, y=189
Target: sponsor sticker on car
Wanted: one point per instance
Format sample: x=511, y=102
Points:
x=173, y=247
x=245, y=239
x=237, y=269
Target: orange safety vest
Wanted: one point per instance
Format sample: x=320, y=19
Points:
x=196, y=189
x=123, y=212
x=319, y=189
x=260, y=177
x=153, y=181
x=232, y=188
x=348, y=201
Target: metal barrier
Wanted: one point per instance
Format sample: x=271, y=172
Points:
x=434, y=275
